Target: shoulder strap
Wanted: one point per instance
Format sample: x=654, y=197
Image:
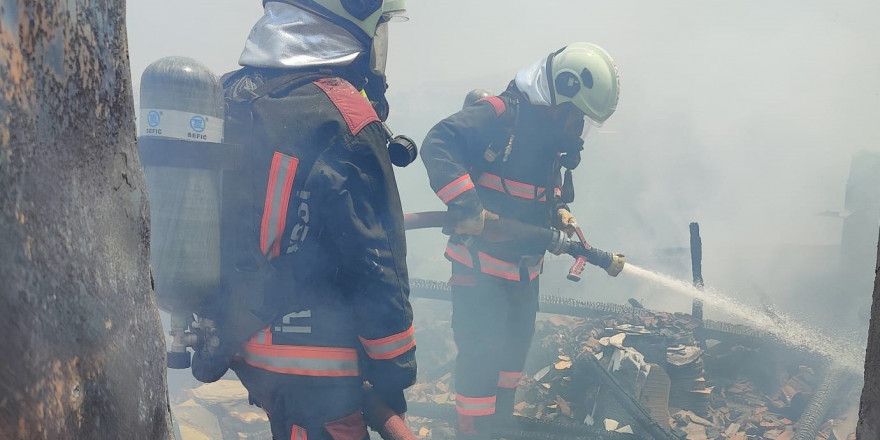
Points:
x=501, y=148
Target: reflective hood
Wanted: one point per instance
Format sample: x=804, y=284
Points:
x=532, y=82
x=287, y=36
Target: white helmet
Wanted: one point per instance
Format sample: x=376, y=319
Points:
x=585, y=75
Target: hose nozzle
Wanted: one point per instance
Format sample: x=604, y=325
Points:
x=616, y=265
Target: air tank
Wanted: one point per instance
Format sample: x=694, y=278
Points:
x=180, y=122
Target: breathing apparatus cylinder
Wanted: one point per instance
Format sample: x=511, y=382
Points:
x=181, y=121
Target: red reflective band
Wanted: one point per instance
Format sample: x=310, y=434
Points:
x=474, y=406
x=498, y=268
x=458, y=252
x=298, y=433
x=535, y=270
x=488, y=265
x=455, y=188
x=497, y=104
x=302, y=360
x=391, y=346
x=557, y=192
x=278, y=188
x=514, y=188
x=262, y=337
x=508, y=379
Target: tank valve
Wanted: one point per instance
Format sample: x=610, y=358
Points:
x=184, y=333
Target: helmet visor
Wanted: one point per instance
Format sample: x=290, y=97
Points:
x=588, y=126
x=586, y=130
x=379, y=50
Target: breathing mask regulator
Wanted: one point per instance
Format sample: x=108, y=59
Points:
x=367, y=21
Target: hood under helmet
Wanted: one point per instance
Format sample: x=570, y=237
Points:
x=332, y=34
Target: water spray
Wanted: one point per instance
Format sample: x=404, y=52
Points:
x=782, y=326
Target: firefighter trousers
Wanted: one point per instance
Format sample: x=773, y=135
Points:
x=303, y=370
x=493, y=323
x=299, y=410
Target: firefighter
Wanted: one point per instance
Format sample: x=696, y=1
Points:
x=504, y=156
x=327, y=223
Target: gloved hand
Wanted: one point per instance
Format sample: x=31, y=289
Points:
x=617, y=263
x=474, y=225
x=565, y=221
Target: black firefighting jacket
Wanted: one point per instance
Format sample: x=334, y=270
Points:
x=326, y=221
x=523, y=182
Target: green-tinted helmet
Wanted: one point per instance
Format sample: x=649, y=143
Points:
x=585, y=75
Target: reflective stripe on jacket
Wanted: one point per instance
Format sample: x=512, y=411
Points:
x=514, y=188
x=391, y=346
x=259, y=352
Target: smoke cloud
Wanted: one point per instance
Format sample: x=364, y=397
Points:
x=742, y=116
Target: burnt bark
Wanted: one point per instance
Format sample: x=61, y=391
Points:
x=83, y=351
x=869, y=409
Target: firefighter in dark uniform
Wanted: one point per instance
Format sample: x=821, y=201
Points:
x=504, y=156
x=326, y=218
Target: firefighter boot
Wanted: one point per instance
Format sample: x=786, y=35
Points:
x=473, y=427
x=503, y=417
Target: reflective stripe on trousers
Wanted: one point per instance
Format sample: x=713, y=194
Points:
x=491, y=265
x=474, y=406
x=259, y=352
x=298, y=433
x=508, y=379
x=390, y=347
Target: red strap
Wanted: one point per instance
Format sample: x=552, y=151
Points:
x=355, y=109
x=497, y=104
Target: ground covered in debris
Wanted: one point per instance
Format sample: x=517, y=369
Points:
x=736, y=388
x=725, y=388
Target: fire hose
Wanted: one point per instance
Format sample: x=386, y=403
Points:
x=388, y=424
x=505, y=229
x=815, y=413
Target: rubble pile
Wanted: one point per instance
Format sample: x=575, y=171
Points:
x=694, y=388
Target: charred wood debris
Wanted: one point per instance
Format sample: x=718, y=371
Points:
x=600, y=371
